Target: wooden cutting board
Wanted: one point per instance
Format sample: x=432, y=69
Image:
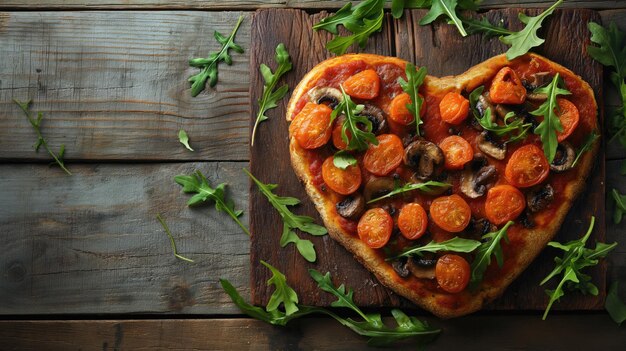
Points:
x=444, y=52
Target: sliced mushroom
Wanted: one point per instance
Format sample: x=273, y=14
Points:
x=482, y=226
x=526, y=220
x=400, y=267
x=564, y=158
x=377, y=186
x=425, y=158
x=351, y=207
x=376, y=116
x=490, y=146
x=474, y=183
x=326, y=95
x=540, y=198
x=502, y=111
x=484, y=104
x=421, y=268
x=536, y=97
x=537, y=80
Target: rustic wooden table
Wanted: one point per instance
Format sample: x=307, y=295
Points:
x=84, y=263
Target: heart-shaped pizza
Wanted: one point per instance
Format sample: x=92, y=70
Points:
x=445, y=188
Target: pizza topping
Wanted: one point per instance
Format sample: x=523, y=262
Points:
x=536, y=80
x=375, y=228
x=474, y=179
x=357, y=126
x=325, y=95
x=487, y=144
x=352, y=207
x=421, y=267
x=454, y=108
x=457, y=152
x=378, y=186
x=450, y=213
x=311, y=127
x=540, y=198
x=425, y=158
x=412, y=221
x=363, y=85
x=527, y=166
x=452, y=273
x=507, y=88
x=342, y=181
x=563, y=158
x=569, y=117
x=504, y=203
x=338, y=141
x=398, y=111
x=376, y=117
x=385, y=157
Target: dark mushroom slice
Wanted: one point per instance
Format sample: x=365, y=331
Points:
x=539, y=198
x=537, y=80
x=425, y=158
x=487, y=144
x=399, y=265
x=378, y=186
x=564, y=158
x=377, y=117
x=474, y=183
x=482, y=226
x=326, y=95
x=502, y=111
x=422, y=268
x=526, y=220
x=352, y=207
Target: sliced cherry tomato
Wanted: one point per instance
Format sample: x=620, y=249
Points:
x=412, y=221
x=311, y=127
x=363, y=85
x=452, y=273
x=342, y=181
x=527, y=166
x=399, y=113
x=504, y=203
x=383, y=158
x=337, y=139
x=453, y=108
x=450, y=213
x=375, y=227
x=457, y=151
x=507, y=88
x=569, y=116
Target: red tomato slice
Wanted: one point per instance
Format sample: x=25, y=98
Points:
x=375, y=227
x=385, y=157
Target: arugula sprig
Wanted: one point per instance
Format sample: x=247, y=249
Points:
x=491, y=246
x=575, y=258
x=456, y=244
x=183, y=138
x=172, y=242
x=615, y=306
x=208, y=66
x=270, y=96
x=620, y=206
x=291, y=221
x=360, y=127
x=430, y=187
x=197, y=184
x=283, y=294
x=41, y=141
x=551, y=123
x=448, y=9
x=482, y=25
x=512, y=123
x=586, y=146
x=411, y=86
x=343, y=159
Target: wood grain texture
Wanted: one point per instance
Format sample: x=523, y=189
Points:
x=113, y=85
x=444, y=52
x=558, y=333
x=90, y=243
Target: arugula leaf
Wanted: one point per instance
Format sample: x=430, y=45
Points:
x=184, y=139
x=613, y=305
x=351, y=18
x=291, y=221
x=455, y=244
x=482, y=25
x=551, y=123
x=343, y=159
x=41, y=141
x=620, y=206
x=198, y=184
x=415, y=79
x=340, y=44
x=521, y=42
x=344, y=299
x=169, y=235
x=447, y=8
x=359, y=138
x=283, y=293
x=589, y=141
x=208, y=66
x=430, y=187
x=490, y=247
x=398, y=6
x=507, y=129
x=270, y=96
x=575, y=258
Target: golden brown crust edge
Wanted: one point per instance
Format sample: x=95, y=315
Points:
x=537, y=238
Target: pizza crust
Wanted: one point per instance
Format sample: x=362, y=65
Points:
x=537, y=239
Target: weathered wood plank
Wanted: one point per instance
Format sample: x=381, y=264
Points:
x=516, y=332
x=90, y=243
x=113, y=85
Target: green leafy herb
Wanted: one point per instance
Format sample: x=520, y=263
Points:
x=521, y=42
x=615, y=306
x=340, y=44
x=482, y=25
x=198, y=184
x=398, y=6
x=208, y=66
x=517, y=126
x=415, y=78
x=430, y=187
x=290, y=220
x=359, y=138
x=184, y=139
x=620, y=206
x=455, y=244
x=169, y=235
x=576, y=257
x=270, y=96
x=446, y=8
x=351, y=18
x=282, y=294
x=36, y=123
x=343, y=159
x=591, y=138
x=491, y=246
x=551, y=123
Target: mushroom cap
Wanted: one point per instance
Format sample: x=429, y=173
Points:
x=564, y=158
x=490, y=147
x=424, y=157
